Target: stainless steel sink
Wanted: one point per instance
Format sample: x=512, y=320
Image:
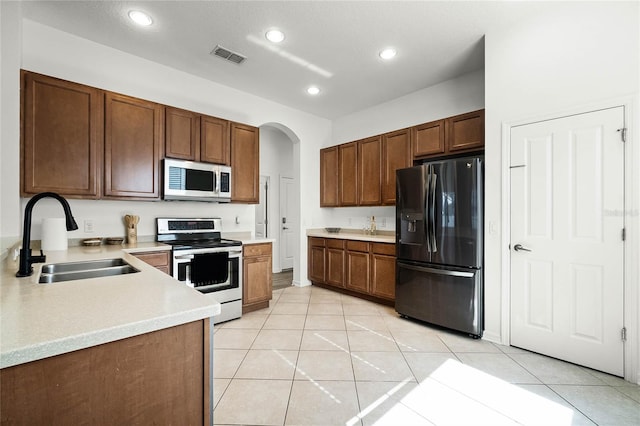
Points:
x=57, y=272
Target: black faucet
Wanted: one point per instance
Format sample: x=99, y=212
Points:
x=26, y=260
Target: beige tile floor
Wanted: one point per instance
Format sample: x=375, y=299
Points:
x=316, y=357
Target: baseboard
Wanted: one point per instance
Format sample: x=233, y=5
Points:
x=492, y=337
x=298, y=284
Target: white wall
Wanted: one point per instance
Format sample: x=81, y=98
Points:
x=52, y=52
x=577, y=58
x=452, y=97
x=276, y=159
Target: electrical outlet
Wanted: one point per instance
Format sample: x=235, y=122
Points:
x=88, y=226
x=384, y=222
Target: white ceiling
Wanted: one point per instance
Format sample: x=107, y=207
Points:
x=331, y=44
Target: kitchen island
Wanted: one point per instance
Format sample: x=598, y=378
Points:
x=126, y=349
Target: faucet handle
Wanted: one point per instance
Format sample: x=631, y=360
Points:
x=39, y=259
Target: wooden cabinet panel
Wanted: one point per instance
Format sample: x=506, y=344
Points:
x=214, y=144
x=62, y=139
x=383, y=276
x=369, y=171
x=257, y=275
x=396, y=154
x=348, y=173
x=182, y=134
x=358, y=269
x=329, y=177
x=245, y=163
x=428, y=139
x=466, y=131
x=316, y=260
x=133, y=136
x=335, y=264
x=157, y=259
x=160, y=377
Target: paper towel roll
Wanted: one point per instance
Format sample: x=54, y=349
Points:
x=54, y=234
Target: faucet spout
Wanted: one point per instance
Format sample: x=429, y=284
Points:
x=26, y=259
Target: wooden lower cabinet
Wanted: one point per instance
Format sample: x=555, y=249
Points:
x=162, y=377
x=257, y=286
x=157, y=259
x=360, y=268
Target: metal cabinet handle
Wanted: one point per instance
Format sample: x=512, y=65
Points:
x=519, y=247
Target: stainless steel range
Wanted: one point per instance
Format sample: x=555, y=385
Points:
x=205, y=261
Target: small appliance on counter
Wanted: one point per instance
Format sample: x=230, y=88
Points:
x=202, y=259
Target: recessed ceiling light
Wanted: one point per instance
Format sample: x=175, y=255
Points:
x=140, y=18
x=313, y=90
x=387, y=53
x=275, y=36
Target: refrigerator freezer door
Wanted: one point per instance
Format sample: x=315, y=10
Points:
x=450, y=298
x=411, y=214
x=458, y=219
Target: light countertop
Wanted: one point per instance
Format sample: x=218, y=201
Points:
x=42, y=320
x=354, y=234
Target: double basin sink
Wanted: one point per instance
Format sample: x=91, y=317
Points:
x=57, y=272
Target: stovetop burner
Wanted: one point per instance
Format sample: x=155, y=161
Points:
x=192, y=233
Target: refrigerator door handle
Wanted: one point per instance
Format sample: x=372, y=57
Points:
x=427, y=209
x=434, y=245
x=437, y=271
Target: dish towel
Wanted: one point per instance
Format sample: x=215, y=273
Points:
x=209, y=268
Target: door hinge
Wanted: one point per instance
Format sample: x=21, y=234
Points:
x=623, y=134
x=624, y=234
x=623, y=334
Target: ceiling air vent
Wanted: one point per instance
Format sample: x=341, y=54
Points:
x=227, y=54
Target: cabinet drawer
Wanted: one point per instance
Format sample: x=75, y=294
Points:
x=334, y=243
x=316, y=242
x=358, y=246
x=384, y=248
x=158, y=258
x=251, y=250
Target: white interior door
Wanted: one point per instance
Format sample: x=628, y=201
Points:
x=288, y=222
x=262, y=212
x=567, y=204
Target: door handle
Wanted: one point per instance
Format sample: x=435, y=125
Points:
x=519, y=247
x=284, y=228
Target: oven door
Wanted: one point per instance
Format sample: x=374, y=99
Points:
x=231, y=289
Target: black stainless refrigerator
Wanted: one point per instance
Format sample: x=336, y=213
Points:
x=439, y=243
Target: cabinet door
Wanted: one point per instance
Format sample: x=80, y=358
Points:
x=133, y=136
x=358, y=270
x=466, y=131
x=329, y=177
x=369, y=171
x=428, y=139
x=182, y=134
x=245, y=163
x=62, y=137
x=335, y=263
x=316, y=261
x=157, y=259
x=214, y=144
x=396, y=154
x=348, y=173
x=257, y=279
x=383, y=276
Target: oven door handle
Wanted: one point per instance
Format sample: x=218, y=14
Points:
x=184, y=256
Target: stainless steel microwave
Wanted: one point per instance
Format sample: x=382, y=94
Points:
x=194, y=181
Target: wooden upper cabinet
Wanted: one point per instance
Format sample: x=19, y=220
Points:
x=245, y=163
x=133, y=147
x=62, y=137
x=369, y=171
x=214, y=142
x=428, y=139
x=396, y=154
x=348, y=173
x=329, y=177
x=182, y=134
x=195, y=137
x=465, y=131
